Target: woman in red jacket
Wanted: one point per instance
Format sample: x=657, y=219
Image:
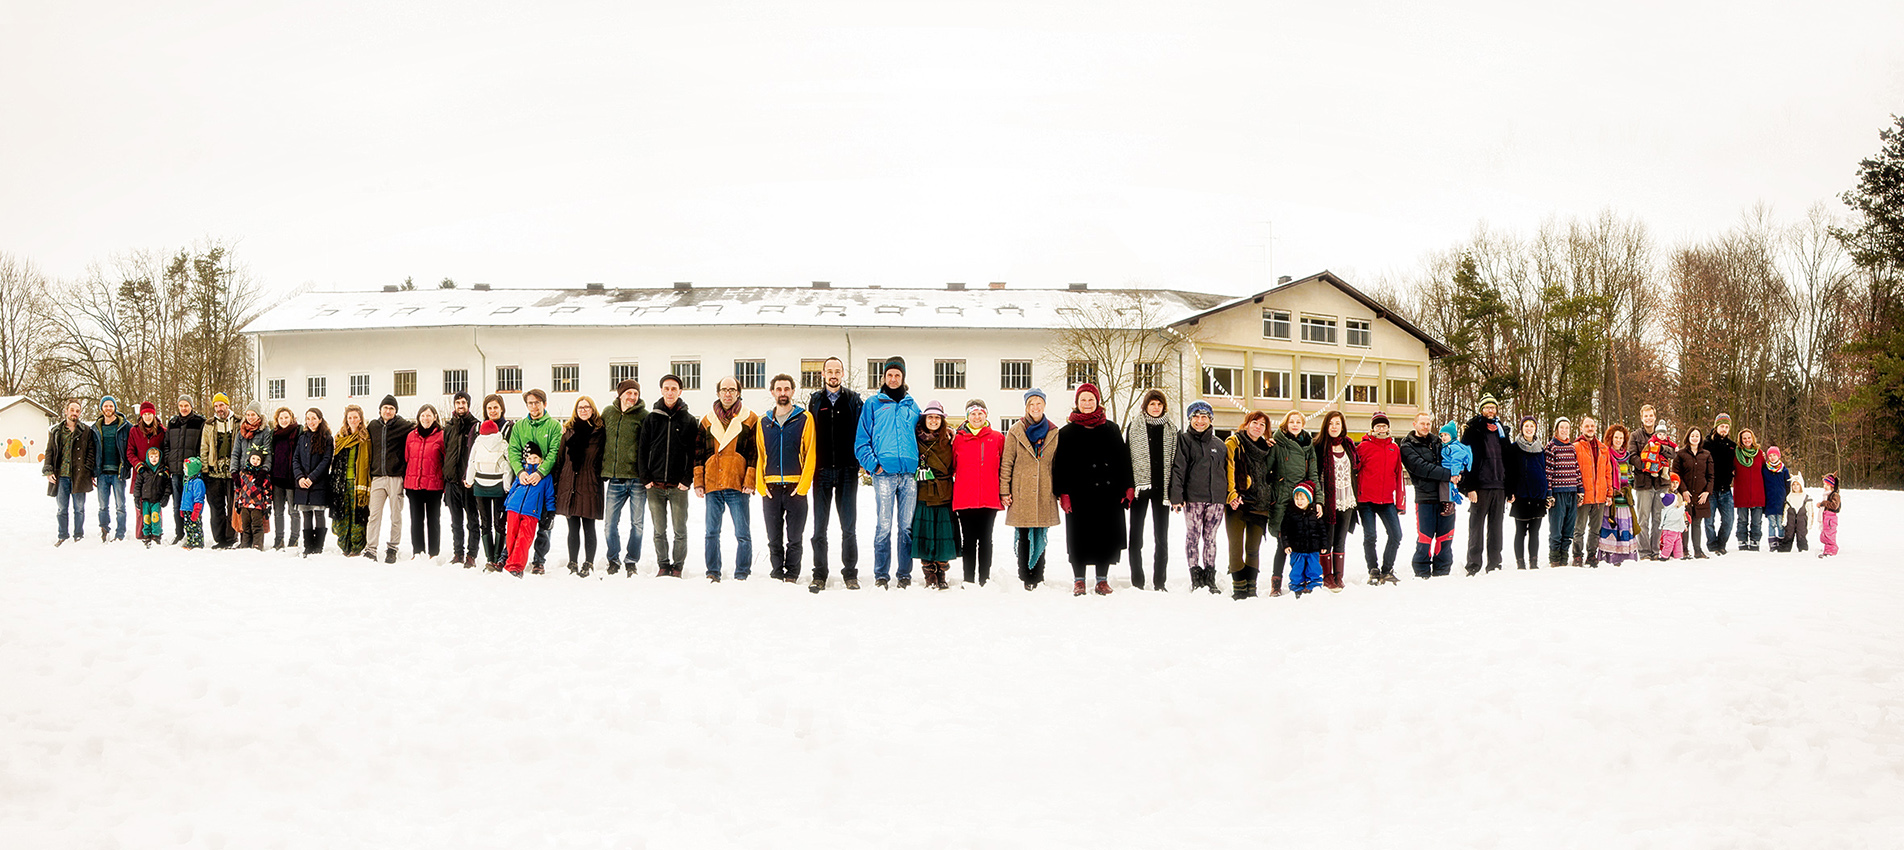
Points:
x=423, y=483
x=1379, y=490
x=147, y=433
x=1748, y=487
x=976, y=454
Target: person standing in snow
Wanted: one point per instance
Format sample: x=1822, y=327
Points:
x=1024, y=480
x=669, y=440
x=1618, y=540
x=350, y=503
x=1719, y=518
x=193, y=505
x=1563, y=483
x=311, y=479
x=621, y=466
x=1597, y=484
x=1693, y=466
x=488, y=479
x=835, y=409
x=1198, y=487
x=935, y=540
x=1091, y=477
x=1530, y=498
x=1672, y=524
x=1337, y=468
x=542, y=429
x=423, y=483
x=184, y=435
x=1305, y=541
x=112, y=466
x=1380, y=494
x=578, y=481
x=1828, y=517
x=152, y=490
x=68, y=468
x=250, y=466
x=783, y=446
x=1152, y=439
x=459, y=431
x=1250, y=498
x=1748, y=488
x=724, y=476
x=532, y=498
x=388, y=435
x=977, y=453
x=1489, y=484
x=1650, y=472
x=1778, y=481
x=1291, y=462
x=149, y=433
x=888, y=451
x=284, y=515
x=215, y=457
x=1434, y=528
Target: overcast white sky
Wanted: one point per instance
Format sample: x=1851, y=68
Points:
x=349, y=144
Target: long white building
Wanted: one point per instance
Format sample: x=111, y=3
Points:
x=1312, y=343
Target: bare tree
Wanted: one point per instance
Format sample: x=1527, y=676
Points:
x=1123, y=335
x=25, y=330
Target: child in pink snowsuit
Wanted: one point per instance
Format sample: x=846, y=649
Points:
x=1672, y=527
x=1828, y=517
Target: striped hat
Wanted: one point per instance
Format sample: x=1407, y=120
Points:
x=1306, y=490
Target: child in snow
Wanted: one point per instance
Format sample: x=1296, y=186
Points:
x=1457, y=458
x=526, y=505
x=1797, y=508
x=1304, y=540
x=488, y=480
x=1672, y=524
x=154, y=489
x=1828, y=517
x=192, y=504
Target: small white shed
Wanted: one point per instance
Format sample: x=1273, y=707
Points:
x=23, y=426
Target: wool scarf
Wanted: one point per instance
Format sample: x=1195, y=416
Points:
x=1089, y=420
x=1746, y=455
x=1035, y=433
x=1137, y=437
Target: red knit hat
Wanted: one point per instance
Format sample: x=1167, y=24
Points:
x=489, y=426
x=146, y=407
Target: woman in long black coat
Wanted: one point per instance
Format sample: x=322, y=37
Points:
x=311, y=479
x=1091, y=476
x=578, y=481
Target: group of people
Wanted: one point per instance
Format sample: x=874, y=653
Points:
x=938, y=488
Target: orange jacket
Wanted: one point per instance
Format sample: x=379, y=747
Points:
x=1596, y=470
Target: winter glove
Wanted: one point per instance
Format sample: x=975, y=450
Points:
x=1130, y=495
x=1065, y=503
x=198, y=512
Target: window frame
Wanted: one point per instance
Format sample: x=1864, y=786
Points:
x=815, y=377
x=1074, y=369
x=1328, y=386
x=317, y=382
x=1330, y=323
x=572, y=383
x=274, y=389
x=1155, y=380
x=1388, y=390
x=948, y=374
x=1288, y=386
x=1208, y=383
x=689, y=371
x=353, y=385
x=450, y=382
x=505, y=386
x=753, y=377
x=1008, y=381
x=1287, y=319
x=396, y=383
x=1367, y=330
x=616, y=374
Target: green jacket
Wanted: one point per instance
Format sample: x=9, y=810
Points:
x=621, y=452
x=547, y=434
x=1290, y=463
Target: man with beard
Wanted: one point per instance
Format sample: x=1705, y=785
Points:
x=835, y=409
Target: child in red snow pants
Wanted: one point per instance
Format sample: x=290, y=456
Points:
x=522, y=532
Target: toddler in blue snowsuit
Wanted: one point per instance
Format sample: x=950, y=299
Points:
x=1304, y=541
x=1456, y=457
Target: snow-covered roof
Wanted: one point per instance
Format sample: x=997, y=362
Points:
x=8, y=401
x=974, y=308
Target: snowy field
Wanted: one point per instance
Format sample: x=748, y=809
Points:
x=245, y=700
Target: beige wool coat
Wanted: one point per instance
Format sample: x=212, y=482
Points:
x=1026, y=478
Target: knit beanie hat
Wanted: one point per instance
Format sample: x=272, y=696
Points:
x=531, y=448
x=192, y=466
x=146, y=407
x=1721, y=419
x=252, y=407
x=1306, y=490
x=1487, y=400
x=106, y=398
x=1452, y=430
x=388, y=401
x=1831, y=479
x=1379, y=418
x=1203, y=407
x=1562, y=421
x=489, y=426
x=1088, y=387
x=1034, y=391
x=220, y=397
x=1773, y=452
x=974, y=404
x=461, y=395
x=630, y=384
x=1529, y=417
x=933, y=407
x=895, y=363
x=1667, y=499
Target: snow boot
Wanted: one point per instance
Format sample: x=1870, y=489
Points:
x=905, y=582
x=882, y=584
x=852, y=582
x=573, y=569
x=818, y=584
x=390, y=557
x=1275, y=584
x=1077, y=587
x=1103, y=588
x=536, y=568
x=1209, y=580
x=587, y=568
x=614, y=566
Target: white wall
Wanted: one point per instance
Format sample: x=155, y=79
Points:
x=23, y=433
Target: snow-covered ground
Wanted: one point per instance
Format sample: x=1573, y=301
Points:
x=245, y=700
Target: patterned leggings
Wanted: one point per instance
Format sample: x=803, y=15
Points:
x=1201, y=520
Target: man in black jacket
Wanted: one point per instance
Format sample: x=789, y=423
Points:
x=669, y=439
x=1724, y=451
x=1434, y=531
x=387, y=435
x=183, y=436
x=459, y=431
x=1487, y=483
x=835, y=410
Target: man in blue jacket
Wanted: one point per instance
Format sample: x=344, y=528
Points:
x=887, y=448
x=111, y=468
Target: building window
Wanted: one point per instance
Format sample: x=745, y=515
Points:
x=403, y=383
x=948, y=374
x=1275, y=324
x=508, y=379
x=359, y=385
x=1360, y=393
x=455, y=381
x=1318, y=330
x=1361, y=332
x=812, y=374
x=875, y=374
x=1401, y=391
x=689, y=371
x=1077, y=373
x=1003, y=424
x=314, y=387
x=1317, y=387
x=1221, y=380
x=751, y=374
x=618, y=372
x=566, y=378
x=1014, y=374
x=1272, y=383
x=1147, y=375
x=274, y=389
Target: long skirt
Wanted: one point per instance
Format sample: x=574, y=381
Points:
x=1617, y=543
x=934, y=536
x=349, y=527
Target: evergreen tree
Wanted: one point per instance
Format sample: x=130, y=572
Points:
x=1876, y=244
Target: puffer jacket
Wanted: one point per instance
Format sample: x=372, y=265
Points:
x=885, y=441
x=1422, y=457
x=1595, y=461
x=670, y=439
x=1380, y=481
x=976, y=459
x=621, y=441
x=1198, y=468
x=488, y=471
x=423, y=460
x=184, y=438
x=1290, y=463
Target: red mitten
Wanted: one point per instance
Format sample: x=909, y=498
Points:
x=196, y=512
x=1130, y=495
x=1065, y=503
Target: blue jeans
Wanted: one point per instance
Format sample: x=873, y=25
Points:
x=836, y=488
x=633, y=494
x=730, y=502
x=70, y=504
x=1392, y=522
x=1774, y=523
x=1561, y=519
x=112, y=502
x=1721, y=517
x=1749, y=526
x=893, y=497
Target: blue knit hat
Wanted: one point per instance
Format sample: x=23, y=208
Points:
x=1452, y=430
x=106, y=398
x=1034, y=391
x=1202, y=407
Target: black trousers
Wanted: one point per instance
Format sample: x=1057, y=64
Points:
x=1527, y=541
x=786, y=515
x=460, y=503
x=490, y=527
x=426, y=521
x=1153, y=500
x=975, y=535
x=582, y=530
x=1485, y=512
x=218, y=508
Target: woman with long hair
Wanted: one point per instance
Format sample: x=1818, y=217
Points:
x=423, y=483
x=578, y=480
x=311, y=480
x=1338, y=465
x=350, y=504
x=1617, y=541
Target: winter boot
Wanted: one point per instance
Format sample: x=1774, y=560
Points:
x=537, y=568
x=1275, y=585
x=1077, y=587
x=1209, y=580
x=390, y=556
x=278, y=542
x=587, y=568
x=574, y=569
x=818, y=584
x=614, y=566
x=882, y=584
x=905, y=582
x=852, y=582
x=1103, y=588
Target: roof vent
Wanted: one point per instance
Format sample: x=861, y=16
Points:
x=683, y=284
x=481, y=287
x=955, y=287
x=390, y=287
x=996, y=284
x=597, y=287
x=822, y=284
x=1079, y=287
x=1284, y=279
